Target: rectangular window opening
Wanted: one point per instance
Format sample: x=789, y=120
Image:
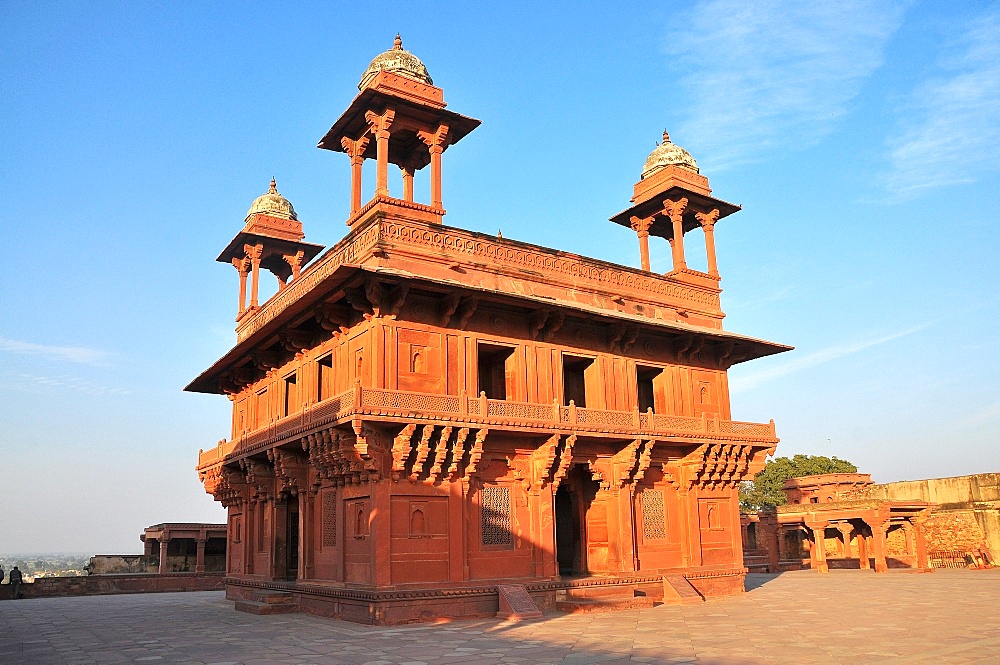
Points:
x=575, y=374
x=647, y=379
x=324, y=378
x=291, y=395
x=494, y=370
x=262, y=410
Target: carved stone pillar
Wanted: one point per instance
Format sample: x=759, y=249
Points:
x=819, y=547
x=879, y=545
x=242, y=267
x=435, y=142
x=782, y=544
x=845, y=536
x=920, y=544
x=641, y=227
x=355, y=150
x=771, y=539
x=199, y=560
x=294, y=261
x=675, y=211
x=164, y=542
x=707, y=221
x=307, y=530
x=379, y=126
x=407, y=182
x=254, y=253
x=908, y=533
x=865, y=562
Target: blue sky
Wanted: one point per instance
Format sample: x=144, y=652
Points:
x=861, y=139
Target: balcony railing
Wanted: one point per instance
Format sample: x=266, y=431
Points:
x=399, y=406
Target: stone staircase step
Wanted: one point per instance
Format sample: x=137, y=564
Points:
x=254, y=607
x=516, y=603
x=678, y=591
x=606, y=591
x=273, y=597
x=603, y=604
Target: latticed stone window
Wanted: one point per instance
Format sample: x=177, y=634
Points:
x=330, y=518
x=496, y=516
x=654, y=518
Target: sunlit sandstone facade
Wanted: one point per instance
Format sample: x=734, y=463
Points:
x=423, y=412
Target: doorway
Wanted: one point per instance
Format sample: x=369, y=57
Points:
x=568, y=536
x=579, y=518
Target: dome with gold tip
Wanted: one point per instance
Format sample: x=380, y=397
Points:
x=666, y=154
x=398, y=61
x=273, y=204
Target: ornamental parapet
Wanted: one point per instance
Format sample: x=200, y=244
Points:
x=387, y=240
x=396, y=406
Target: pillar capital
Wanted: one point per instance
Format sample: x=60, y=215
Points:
x=435, y=141
x=253, y=252
x=294, y=261
x=641, y=225
x=355, y=149
x=707, y=219
x=242, y=264
x=380, y=122
x=674, y=209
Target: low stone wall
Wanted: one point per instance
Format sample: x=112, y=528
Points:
x=121, y=564
x=967, y=516
x=96, y=585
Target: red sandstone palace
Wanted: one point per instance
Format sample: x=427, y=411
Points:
x=423, y=414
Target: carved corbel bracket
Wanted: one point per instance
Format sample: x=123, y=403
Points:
x=565, y=460
x=436, y=139
x=260, y=478
x=294, y=341
x=675, y=209
x=289, y=469
x=466, y=308
x=641, y=225
x=355, y=149
x=265, y=361
x=621, y=337
x=333, y=317
x=707, y=219
x=537, y=321
x=380, y=122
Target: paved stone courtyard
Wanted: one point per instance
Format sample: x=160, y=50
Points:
x=801, y=617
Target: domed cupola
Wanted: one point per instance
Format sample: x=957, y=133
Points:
x=272, y=204
x=398, y=61
x=666, y=154
x=272, y=239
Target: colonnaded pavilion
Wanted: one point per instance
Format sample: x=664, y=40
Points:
x=431, y=422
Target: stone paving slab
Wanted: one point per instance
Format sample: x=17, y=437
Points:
x=950, y=616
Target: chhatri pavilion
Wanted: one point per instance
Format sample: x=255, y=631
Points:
x=430, y=422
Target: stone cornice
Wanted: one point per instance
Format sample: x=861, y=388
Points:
x=479, y=253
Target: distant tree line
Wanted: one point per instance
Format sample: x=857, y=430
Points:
x=764, y=491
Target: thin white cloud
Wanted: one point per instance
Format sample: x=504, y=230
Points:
x=76, y=354
x=949, y=127
x=987, y=415
x=760, y=77
x=38, y=383
x=806, y=361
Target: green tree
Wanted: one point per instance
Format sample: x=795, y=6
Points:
x=765, y=489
